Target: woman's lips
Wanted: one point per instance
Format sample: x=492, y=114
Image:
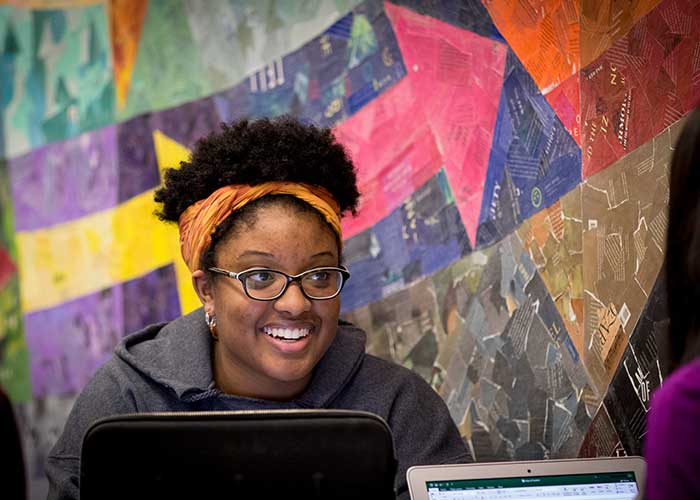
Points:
x=288, y=340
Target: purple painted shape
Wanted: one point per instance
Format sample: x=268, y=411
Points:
x=64, y=181
x=188, y=122
x=138, y=167
x=234, y=103
x=69, y=342
x=152, y=298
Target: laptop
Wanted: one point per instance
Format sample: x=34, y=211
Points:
x=330, y=454
x=577, y=479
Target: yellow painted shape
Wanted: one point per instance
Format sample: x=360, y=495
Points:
x=69, y=260
x=80, y=257
x=169, y=154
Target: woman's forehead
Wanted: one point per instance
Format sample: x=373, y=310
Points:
x=278, y=233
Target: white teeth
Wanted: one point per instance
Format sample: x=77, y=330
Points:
x=287, y=333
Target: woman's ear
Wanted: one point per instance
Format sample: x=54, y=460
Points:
x=205, y=291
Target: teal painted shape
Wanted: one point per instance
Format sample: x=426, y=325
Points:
x=61, y=62
x=234, y=38
x=168, y=69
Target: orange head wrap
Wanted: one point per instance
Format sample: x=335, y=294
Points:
x=199, y=221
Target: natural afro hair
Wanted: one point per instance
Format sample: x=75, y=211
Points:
x=257, y=151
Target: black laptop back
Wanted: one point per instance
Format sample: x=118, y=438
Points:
x=251, y=455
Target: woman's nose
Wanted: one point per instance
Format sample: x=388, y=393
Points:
x=293, y=301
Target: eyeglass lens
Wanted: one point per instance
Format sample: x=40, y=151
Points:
x=266, y=284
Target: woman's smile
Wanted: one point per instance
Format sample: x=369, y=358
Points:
x=289, y=340
x=287, y=333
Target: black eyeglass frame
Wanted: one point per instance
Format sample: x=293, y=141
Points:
x=241, y=276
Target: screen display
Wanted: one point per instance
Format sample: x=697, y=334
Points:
x=598, y=486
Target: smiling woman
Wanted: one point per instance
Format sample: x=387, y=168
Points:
x=258, y=207
x=268, y=348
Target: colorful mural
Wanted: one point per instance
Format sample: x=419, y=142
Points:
x=513, y=163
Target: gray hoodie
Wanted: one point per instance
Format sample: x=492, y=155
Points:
x=167, y=367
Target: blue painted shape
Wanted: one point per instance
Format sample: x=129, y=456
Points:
x=533, y=162
x=419, y=238
x=342, y=27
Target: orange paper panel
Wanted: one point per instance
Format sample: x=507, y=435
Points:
x=544, y=35
x=125, y=22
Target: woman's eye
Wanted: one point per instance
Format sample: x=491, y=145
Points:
x=320, y=276
x=261, y=276
x=258, y=280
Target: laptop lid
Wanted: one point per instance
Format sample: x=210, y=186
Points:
x=577, y=479
x=249, y=454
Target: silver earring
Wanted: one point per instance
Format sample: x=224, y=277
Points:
x=210, y=320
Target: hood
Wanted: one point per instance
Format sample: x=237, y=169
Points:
x=177, y=355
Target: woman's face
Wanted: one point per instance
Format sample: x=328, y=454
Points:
x=248, y=360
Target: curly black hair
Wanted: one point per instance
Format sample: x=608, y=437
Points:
x=257, y=151
x=254, y=152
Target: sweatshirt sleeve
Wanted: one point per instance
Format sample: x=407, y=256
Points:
x=104, y=395
x=424, y=431
x=672, y=442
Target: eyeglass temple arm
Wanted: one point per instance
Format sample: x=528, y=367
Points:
x=230, y=274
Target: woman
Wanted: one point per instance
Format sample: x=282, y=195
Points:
x=672, y=448
x=258, y=208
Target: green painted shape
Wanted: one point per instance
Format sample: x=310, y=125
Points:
x=236, y=38
x=363, y=41
x=14, y=355
x=167, y=71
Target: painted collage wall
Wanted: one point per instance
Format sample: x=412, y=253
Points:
x=513, y=163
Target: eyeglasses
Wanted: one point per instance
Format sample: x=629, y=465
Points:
x=321, y=283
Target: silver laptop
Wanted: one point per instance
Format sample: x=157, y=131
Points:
x=578, y=479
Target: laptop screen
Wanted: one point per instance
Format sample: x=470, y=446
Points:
x=598, y=486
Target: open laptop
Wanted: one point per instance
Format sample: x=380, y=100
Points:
x=329, y=454
x=578, y=479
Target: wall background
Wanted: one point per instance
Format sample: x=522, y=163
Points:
x=513, y=160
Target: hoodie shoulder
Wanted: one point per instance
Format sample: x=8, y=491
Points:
x=176, y=355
